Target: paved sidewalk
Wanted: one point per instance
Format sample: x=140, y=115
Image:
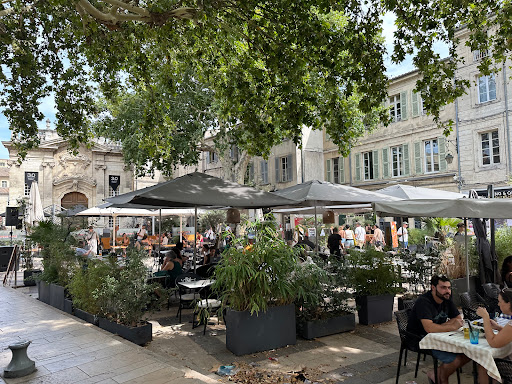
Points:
x=67, y=350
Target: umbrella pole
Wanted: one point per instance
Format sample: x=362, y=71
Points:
x=466, y=250
x=316, y=233
x=159, y=231
x=195, y=236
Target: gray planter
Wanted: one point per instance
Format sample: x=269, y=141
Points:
x=246, y=333
x=68, y=306
x=138, y=335
x=319, y=328
x=86, y=316
x=375, y=309
x=28, y=277
x=57, y=296
x=43, y=290
x=461, y=285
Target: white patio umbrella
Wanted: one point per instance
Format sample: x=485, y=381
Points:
x=409, y=192
x=35, y=212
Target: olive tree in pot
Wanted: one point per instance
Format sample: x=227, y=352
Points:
x=123, y=298
x=321, y=304
x=375, y=282
x=255, y=283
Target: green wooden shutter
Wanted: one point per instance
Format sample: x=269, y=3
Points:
x=405, y=151
x=385, y=163
x=415, y=104
x=289, y=170
x=403, y=105
x=375, y=158
x=341, y=168
x=278, y=179
x=358, y=167
x=417, y=157
x=441, y=143
x=328, y=168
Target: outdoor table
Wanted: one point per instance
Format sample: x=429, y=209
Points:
x=198, y=284
x=480, y=353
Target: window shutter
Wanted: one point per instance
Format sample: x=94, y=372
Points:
x=385, y=163
x=341, y=167
x=415, y=104
x=441, y=143
x=405, y=151
x=289, y=163
x=328, y=167
x=375, y=158
x=403, y=105
x=417, y=157
x=358, y=167
x=278, y=180
x=207, y=157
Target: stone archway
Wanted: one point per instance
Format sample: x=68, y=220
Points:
x=72, y=199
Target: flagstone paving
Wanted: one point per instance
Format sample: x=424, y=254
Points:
x=68, y=350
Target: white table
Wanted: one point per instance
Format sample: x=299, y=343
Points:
x=481, y=353
x=197, y=284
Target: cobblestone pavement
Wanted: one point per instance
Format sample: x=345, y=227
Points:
x=68, y=350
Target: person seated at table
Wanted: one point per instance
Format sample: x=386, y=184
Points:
x=124, y=240
x=82, y=251
x=205, y=251
x=178, y=251
x=434, y=311
x=506, y=272
x=165, y=239
x=504, y=335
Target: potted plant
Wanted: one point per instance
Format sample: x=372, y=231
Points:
x=254, y=282
x=29, y=273
x=123, y=298
x=375, y=282
x=321, y=304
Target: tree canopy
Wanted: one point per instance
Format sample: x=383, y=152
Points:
x=255, y=71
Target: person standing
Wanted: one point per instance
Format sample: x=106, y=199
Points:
x=92, y=240
x=360, y=233
x=141, y=233
x=458, y=238
x=334, y=242
x=404, y=235
x=378, y=238
x=349, y=236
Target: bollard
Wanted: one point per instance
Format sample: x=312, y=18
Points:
x=20, y=364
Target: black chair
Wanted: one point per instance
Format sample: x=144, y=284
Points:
x=469, y=302
x=505, y=368
x=187, y=296
x=206, y=271
x=491, y=293
x=203, y=309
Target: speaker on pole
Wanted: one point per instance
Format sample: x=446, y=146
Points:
x=11, y=217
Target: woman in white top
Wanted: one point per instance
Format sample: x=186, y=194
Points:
x=349, y=235
x=504, y=335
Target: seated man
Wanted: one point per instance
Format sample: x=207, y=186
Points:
x=434, y=311
x=82, y=251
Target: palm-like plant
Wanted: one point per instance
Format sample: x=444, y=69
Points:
x=440, y=226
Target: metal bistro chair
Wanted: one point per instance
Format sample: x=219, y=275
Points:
x=505, y=368
x=491, y=293
x=410, y=342
x=469, y=302
x=187, y=296
x=205, y=306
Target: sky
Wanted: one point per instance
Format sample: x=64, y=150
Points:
x=48, y=106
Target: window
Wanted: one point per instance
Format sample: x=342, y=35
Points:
x=479, y=55
x=431, y=156
x=4, y=183
x=211, y=157
x=486, y=88
x=397, y=161
x=368, y=165
x=2, y=164
x=111, y=222
x=490, y=148
x=284, y=169
x=27, y=190
x=249, y=174
x=395, y=111
x=264, y=171
x=113, y=192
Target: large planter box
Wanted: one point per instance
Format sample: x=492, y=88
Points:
x=43, y=290
x=375, y=309
x=68, y=306
x=319, y=328
x=139, y=335
x=86, y=316
x=246, y=333
x=28, y=277
x=460, y=285
x=57, y=296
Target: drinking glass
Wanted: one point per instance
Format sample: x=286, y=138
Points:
x=474, y=334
